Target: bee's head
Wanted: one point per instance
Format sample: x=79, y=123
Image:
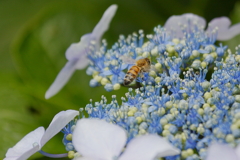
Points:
x=148, y=60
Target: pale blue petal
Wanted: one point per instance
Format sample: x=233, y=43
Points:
x=24, y=148
x=30, y=152
x=59, y=121
x=103, y=24
x=237, y=151
x=77, y=50
x=186, y=19
x=98, y=139
x=225, y=32
x=148, y=147
x=83, y=158
x=107, y=73
x=62, y=78
x=124, y=66
x=221, y=152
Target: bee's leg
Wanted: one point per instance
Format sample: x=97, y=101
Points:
x=141, y=75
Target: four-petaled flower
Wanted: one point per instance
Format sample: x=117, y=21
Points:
x=76, y=54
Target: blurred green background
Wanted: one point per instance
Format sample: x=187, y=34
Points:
x=34, y=35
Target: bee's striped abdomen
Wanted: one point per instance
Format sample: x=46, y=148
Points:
x=131, y=75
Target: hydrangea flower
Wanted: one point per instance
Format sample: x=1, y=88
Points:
x=191, y=95
x=96, y=139
x=76, y=54
x=35, y=140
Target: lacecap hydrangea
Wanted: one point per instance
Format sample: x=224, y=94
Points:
x=191, y=95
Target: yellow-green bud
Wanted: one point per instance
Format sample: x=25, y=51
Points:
x=193, y=127
x=152, y=73
x=237, y=57
x=195, y=53
x=104, y=81
x=237, y=98
x=98, y=78
x=130, y=113
x=234, y=127
x=184, y=95
x=175, y=40
x=190, y=152
x=161, y=111
x=69, y=137
x=165, y=133
x=200, y=111
x=145, y=54
x=169, y=104
x=71, y=154
x=196, y=64
x=166, y=127
x=158, y=79
x=207, y=95
x=134, y=109
x=170, y=50
x=203, y=64
x=184, y=154
x=116, y=86
x=200, y=130
x=158, y=66
x=154, y=51
x=95, y=73
x=144, y=107
x=205, y=105
x=142, y=131
x=214, y=55
x=163, y=121
x=230, y=138
x=114, y=62
x=139, y=120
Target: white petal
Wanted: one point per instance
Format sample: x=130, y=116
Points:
x=221, y=152
x=24, y=148
x=98, y=139
x=59, y=121
x=225, y=32
x=148, y=147
x=103, y=24
x=62, y=78
x=174, y=21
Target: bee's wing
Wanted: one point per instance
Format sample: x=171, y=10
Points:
x=127, y=60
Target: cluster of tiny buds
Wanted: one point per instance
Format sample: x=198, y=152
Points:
x=190, y=95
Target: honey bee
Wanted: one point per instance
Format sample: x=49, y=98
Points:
x=142, y=65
